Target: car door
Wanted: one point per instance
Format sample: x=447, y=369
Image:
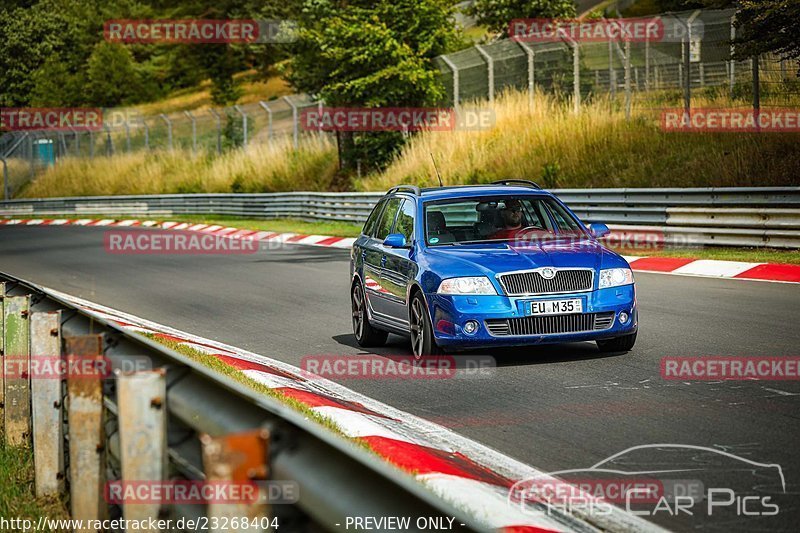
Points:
x=399, y=267
x=374, y=256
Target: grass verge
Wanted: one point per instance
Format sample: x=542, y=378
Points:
x=17, y=496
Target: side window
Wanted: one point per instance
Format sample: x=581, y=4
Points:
x=373, y=218
x=563, y=220
x=387, y=218
x=405, y=221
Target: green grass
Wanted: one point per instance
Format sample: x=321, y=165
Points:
x=749, y=255
x=17, y=499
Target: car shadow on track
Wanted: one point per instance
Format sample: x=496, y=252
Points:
x=515, y=356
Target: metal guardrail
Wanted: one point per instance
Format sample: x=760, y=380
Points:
x=334, y=478
x=741, y=216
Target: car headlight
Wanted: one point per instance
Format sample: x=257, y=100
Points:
x=469, y=285
x=614, y=277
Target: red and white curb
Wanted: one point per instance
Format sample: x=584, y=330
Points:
x=663, y=265
x=471, y=476
x=221, y=231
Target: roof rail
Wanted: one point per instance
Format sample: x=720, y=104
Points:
x=409, y=188
x=524, y=183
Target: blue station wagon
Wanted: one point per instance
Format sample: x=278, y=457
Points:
x=505, y=264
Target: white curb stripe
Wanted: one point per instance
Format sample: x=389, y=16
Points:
x=710, y=267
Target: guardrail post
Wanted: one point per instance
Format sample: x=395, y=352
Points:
x=87, y=441
x=16, y=368
x=237, y=458
x=269, y=118
x=489, y=69
x=244, y=124
x=166, y=119
x=295, y=124
x=194, y=131
x=219, y=130
x=48, y=447
x=142, y=418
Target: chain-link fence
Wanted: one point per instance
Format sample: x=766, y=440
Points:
x=690, y=61
x=689, y=66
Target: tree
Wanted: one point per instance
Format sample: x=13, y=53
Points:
x=371, y=54
x=768, y=26
x=498, y=14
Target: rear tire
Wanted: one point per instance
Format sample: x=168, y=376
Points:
x=366, y=335
x=620, y=344
x=422, y=341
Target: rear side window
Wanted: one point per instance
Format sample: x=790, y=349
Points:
x=387, y=218
x=373, y=218
x=405, y=220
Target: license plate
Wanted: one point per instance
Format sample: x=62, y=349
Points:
x=557, y=307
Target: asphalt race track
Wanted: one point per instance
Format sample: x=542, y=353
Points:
x=556, y=408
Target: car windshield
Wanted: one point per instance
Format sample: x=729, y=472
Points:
x=523, y=219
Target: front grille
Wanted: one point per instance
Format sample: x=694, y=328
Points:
x=549, y=325
x=532, y=282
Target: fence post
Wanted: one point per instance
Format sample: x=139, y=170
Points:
x=612, y=82
x=489, y=68
x=33, y=157
x=127, y=136
x=142, y=416
x=87, y=442
x=531, y=56
x=456, y=87
x=5, y=178
x=194, y=131
x=219, y=130
x=166, y=119
x=269, y=118
x=244, y=124
x=77, y=141
x=146, y=134
x=109, y=142
x=17, y=359
x=48, y=441
x=628, y=96
x=733, y=61
x=756, y=92
x=295, y=124
x=576, y=72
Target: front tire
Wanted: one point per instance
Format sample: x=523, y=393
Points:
x=422, y=341
x=366, y=335
x=620, y=344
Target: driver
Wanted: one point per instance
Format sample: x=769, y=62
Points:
x=512, y=220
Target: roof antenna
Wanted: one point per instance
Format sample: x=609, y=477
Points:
x=437, y=171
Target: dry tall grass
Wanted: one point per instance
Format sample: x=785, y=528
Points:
x=546, y=142
x=260, y=168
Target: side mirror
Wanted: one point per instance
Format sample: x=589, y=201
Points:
x=599, y=230
x=395, y=240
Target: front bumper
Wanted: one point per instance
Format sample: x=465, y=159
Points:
x=451, y=313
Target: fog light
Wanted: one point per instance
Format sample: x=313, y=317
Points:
x=470, y=327
x=623, y=317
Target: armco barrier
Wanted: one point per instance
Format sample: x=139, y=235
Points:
x=168, y=417
x=746, y=216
